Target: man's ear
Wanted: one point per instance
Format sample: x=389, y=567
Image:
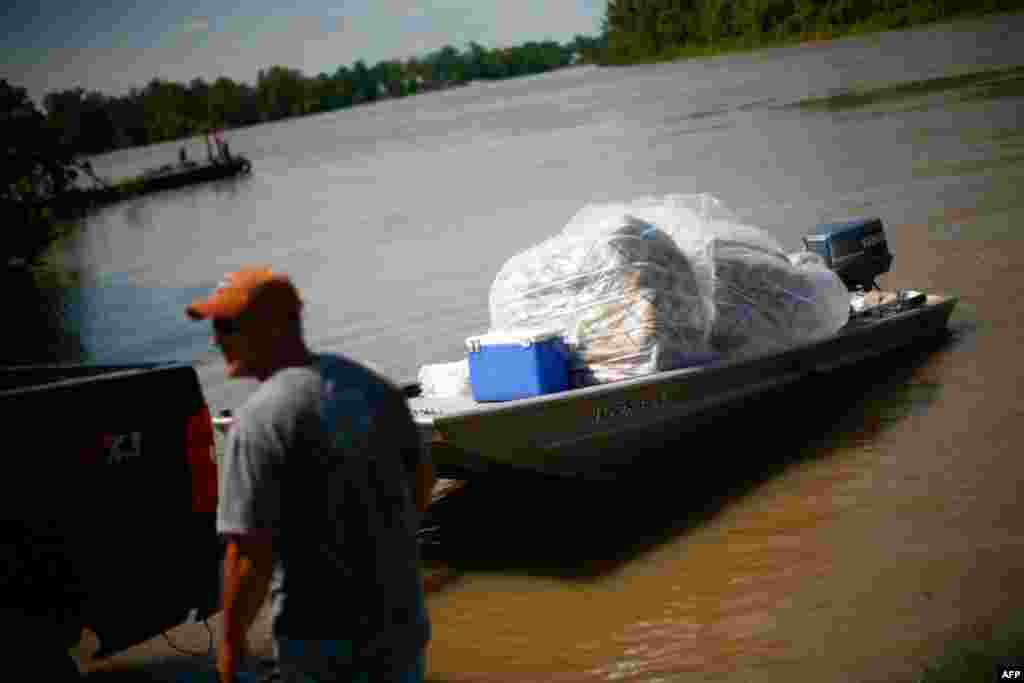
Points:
x=279, y=329
x=275, y=330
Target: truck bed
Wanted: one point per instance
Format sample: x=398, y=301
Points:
x=107, y=507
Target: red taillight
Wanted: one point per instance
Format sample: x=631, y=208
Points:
x=92, y=451
x=202, y=464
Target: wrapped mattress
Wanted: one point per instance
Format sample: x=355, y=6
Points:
x=665, y=282
x=765, y=302
x=622, y=293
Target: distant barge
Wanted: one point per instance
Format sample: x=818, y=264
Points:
x=171, y=176
x=166, y=177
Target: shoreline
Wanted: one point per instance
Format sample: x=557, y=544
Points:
x=810, y=39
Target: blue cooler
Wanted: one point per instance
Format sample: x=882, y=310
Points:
x=511, y=364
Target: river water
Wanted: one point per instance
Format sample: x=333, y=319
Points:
x=851, y=529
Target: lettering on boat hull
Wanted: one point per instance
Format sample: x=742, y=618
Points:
x=630, y=407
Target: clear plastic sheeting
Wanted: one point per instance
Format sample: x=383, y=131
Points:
x=665, y=282
x=763, y=300
x=620, y=290
x=445, y=380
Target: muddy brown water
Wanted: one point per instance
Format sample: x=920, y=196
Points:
x=853, y=528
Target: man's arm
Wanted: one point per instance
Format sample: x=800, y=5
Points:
x=424, y=484
x=418, y=466
x=248, y=566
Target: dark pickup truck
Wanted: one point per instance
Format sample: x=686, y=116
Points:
x=107, y=509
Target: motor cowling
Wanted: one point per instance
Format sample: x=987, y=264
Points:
x=856, y=250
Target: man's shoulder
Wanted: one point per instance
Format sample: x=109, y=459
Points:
x=286, y=392
x=286, y=382
x=345, y=372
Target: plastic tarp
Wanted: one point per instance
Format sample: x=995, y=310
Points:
x=665, y=282
x=624, y=295
x=445, y=380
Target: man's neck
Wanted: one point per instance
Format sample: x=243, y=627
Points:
x=296, y=357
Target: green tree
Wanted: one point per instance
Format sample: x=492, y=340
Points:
x=129, y=119
x=64, y=113
x=222, y=101
x=344, y=87
x=196, y=105
x=364, y=85
x=164, y=111
x=631, y=26
x=37, y=170
x=98, y=132
x=390, y=78
x=281, y=92
x=587, y=48
x=447, y=66
x=320, y=93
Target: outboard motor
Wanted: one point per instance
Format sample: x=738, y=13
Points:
x=856, y=250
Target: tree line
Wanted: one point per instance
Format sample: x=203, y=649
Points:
x=648, y=30
x=92, y=122
x=42, y=150
x=36, y=169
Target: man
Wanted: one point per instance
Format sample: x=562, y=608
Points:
x=321, y=487
x=218, y=140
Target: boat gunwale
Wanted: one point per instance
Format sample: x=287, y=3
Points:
x=428, y=423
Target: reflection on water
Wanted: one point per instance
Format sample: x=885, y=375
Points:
x=1000, y=162
x=39, y=329
x=63, y=317
x=969, y=87
x=120, y=321
x=526, y=522
x=682, y=583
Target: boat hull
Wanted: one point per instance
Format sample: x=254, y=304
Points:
x=592, y=431
x=200, y=173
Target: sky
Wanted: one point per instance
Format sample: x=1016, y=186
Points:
x=113, y=45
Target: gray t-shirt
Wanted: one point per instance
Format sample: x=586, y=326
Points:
x=323, y=458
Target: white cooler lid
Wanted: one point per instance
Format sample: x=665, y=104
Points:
x=522, y=336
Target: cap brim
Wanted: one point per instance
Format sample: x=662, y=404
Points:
x=218, y=306
x=197, y=311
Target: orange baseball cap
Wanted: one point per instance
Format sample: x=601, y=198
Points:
x=250, y=290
